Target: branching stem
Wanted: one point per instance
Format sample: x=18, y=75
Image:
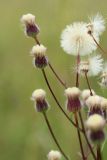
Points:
x=53, y=136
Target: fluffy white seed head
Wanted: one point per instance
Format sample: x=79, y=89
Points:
x=92, y=66
x=104, y=103
x=94, y=101
x=38, y=94
x=103, y=81
x=73, y=92
x=75, y=39
x=38, y=50
x=54, y=155
x=83, y=67
x=96, y=24
x=96, y=65
x=86, y=94
x=28, y=19
x=95, y=122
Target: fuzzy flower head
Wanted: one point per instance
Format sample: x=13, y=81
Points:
x=39, y=53
x=54, y=155
x=104, y=104
x=94, y=105
x=38, y=96
x=92, y=66
x=96, y=25
x=31, y=28
x=75, y=39
x=95, y=122
x=86, y=94
x=93, y=101
x=73, y=102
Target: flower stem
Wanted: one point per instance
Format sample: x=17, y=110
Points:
x=77, y=74
x=47, y=82
x=98, y=44
x=51, y=67
x=85, y=135
x=37, y=41
x=79, y=136
x=63, y=83
x=88, y=84
x=99, y=157
x=51, y=131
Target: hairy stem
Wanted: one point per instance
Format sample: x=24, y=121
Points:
x=57, y=102
x=53, y=136
x=59, y=79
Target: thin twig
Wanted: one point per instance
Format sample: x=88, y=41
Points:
x=77, y=74
x=88, y=84
x=37, y=41
x=47, y=82
x=51, y=131
x=59, y=79
x=98, y=44
x=85, y=135
x=99, y=157
x=51, y=67
x=79, y=136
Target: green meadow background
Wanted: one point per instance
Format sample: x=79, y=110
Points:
x=23, y=132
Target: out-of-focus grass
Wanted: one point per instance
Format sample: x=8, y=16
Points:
x=23, y=132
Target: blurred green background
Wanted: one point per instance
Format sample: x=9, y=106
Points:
x=23, y=132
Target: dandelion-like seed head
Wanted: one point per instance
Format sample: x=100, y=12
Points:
x=92, y=66
x=83, y=67
x=103, y=82
x=75, y=39
x=54, y=155
x=95, y=122
x=96, y=25
x=31, y=28
x=96, y=65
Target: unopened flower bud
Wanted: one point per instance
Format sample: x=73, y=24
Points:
x=97, y=137
x=54, y=155
x=94, y=105
x=104, y=107
x=41, y=104
x=73, y=102
x=95, y=123
x=86, y=94
x=39, y=53
x=31, y=28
